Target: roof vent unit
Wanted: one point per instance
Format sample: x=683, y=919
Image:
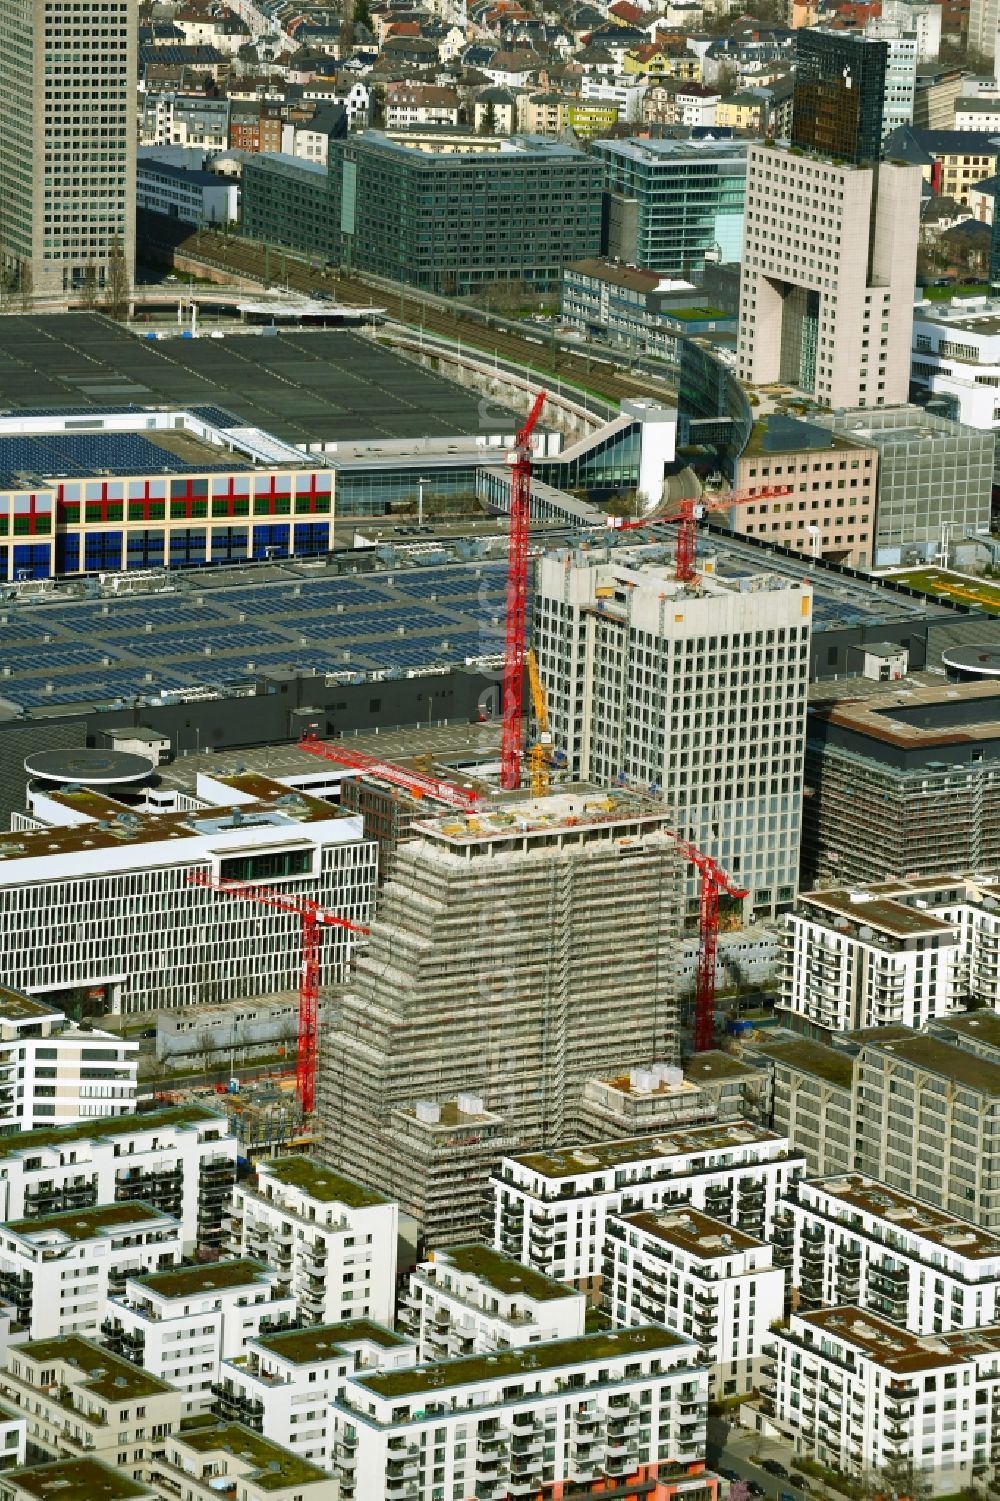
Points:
x=427, y=1112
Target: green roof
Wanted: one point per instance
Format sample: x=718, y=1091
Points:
x=504, y=1273
x=110, y=1377
x=756, y=447
x=276, y=1466
x=84, y=1224
x=947, y=1060
x=80, y=1479
x=112, y=1125
x=213, y=1276
x=812, y=1058
x=321, y=1182
x=15, y=1006
x=595, y=1157
x=305, y=1345
x=978, y=1026
x=442, y=1375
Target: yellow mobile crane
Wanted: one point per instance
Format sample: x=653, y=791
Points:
x=540, y=755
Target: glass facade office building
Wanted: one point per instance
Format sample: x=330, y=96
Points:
x=839, y=99
x=669, y=203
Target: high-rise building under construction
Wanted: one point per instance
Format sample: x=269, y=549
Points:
x=516, y=953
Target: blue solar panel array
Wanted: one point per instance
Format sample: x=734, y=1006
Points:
x=87, y=454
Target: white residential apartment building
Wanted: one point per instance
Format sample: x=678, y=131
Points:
x=181, y=1324
x=628, y=1403
x=80, y=1401
x=162, y=939
x=700, y=1277
x=871, y=957
x=829, y=261
x=181, y=1160
x=199, y=1464
x=858, y=1241
x=698, y=692
x=956, y=355
x=332, y=1241
x=67, y=156
x=53, y=1073
x=59, y=1270
x=472, y=1299
x=551, y=1208
x=282, y=1384
x=864, y=1396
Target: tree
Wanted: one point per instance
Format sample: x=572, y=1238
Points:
x=118, y=290
x=488, y=124
x=89, y=294
x=362, y=15
x=25, y=284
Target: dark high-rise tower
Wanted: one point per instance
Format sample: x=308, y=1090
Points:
x=839, y=95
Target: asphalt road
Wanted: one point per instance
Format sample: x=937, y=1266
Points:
x=720, y=1453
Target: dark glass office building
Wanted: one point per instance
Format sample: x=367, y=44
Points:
x=839, y=95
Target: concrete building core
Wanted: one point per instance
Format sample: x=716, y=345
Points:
x=493, y=986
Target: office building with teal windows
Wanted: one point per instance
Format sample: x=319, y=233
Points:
x=670, y=205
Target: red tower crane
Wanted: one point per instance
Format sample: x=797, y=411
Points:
x=416, y=782
x=517, y=599
x=314, y=919
x=712, y=880
x=690, y=511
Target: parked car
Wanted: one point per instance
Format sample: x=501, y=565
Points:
x=729, y=1475
x=799, y=1481
x=755, y=1489
x=774, y=1467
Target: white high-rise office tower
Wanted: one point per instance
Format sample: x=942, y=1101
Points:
x=829, y=260
x=700, y=690
x=67, y=151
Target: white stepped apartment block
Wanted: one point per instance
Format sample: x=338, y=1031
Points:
x=551, y=1208
x=472, y=1299
x=283, y=1382
x=628, y=1404
x=58, y=1271
x=700, y=1277
x=331, y=1240
x=180, y=1325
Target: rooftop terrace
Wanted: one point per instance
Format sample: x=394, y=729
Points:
x=893, y=918
x=550, y=1355
x=88, y=1224
x=873, y=1197
x=303, y=1346
x=105, y=1375
x=77, y=1479
x=193, y=1281
x=579, y=1161
x=689, y=1230
x=274, y=1467
x=503, y=1273
x=319, y=1182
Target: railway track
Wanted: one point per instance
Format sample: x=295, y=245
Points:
x=273, y=267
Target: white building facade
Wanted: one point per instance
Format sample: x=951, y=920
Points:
x=332, y=1240
x=700, y=693
x=626, y=1404
x=53, y=1073
x=471, y=1299
x=181, y=1324
x=551, y=1208
x=700, y=1277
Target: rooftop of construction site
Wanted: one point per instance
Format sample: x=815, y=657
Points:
x=464, y=1110
x=107, y=1376
x=567, y=1162
x=503, y=1273
x=304, y=1346
x=827, y=1064
x=196, y=1281
x=524, y=818
x=27, y=1142
x=317, y=1181
x=78, y=1479
x=547, y=1355
x=274, y=1468
x=914, y=714
x=895, y=1349
x=861, y=909
x=689, y=1230
x=660, y=1079
x=87, y=1224
x=101, y=822
x=871, y=1196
